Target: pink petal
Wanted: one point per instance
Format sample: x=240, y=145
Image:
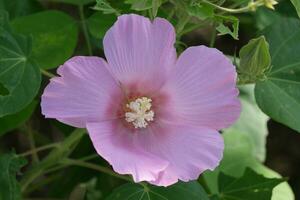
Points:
x=140, y=50
x=202, y=89
x=189, y=150
x=160, y=154
x=119, y=147
x=82, y=93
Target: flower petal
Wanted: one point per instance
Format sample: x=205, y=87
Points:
x=118, y=145
x=190, y=150
x=202, y=89
x=82, y=93
x=140, y=50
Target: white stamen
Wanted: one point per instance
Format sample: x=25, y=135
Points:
x=140, y=113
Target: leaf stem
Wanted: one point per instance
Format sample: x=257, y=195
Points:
x=55, y=156
x=213, y=37
x=46, y=73
x=102, y=169
x=34, y=155
x=249, y=7
x=85, y=30
x=38, y=149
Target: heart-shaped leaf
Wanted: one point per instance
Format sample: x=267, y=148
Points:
x=18, y=72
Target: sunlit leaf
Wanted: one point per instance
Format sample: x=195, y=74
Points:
x=238, y=155
x=252, y=122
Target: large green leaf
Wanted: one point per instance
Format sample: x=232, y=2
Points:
x=54, y=36
x=247, y=187
x=10, y=122
x=252, y=122
x=10, y=165
x=99, y=23
x=237, y=157
x=279, y=94
x=18, y=72
x=180, y=191
x=296, y=4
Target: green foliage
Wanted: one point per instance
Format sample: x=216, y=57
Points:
x=296, y=4
x=238, y=155
x=140, y=5
x=279, y=94
x=200, y=10
x=99, y=23
x=11, y=122
x=10, y=165
x=252, y=122
x=105, y=7
x=75, y=2
x=19, y=74
x=17, y=8
x=54, y=36
x=228, y=25
x=248, y=187
x=255, y=60
x=191, y=191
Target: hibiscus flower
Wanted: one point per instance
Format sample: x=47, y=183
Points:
x=148, y=113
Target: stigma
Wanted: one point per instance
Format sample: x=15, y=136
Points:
x=139, y=112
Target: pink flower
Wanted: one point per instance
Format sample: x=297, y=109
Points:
x=148, y=113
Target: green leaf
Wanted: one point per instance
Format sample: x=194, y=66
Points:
x=200, y=10
x=237, y=157
x=252, y=122
x=105, y=7
x=255, y=60
x=11, y=122
x=99, y=23
x=10, y=165
x=191, y=191
x=279, y=94
x=248, y=187
x=140, y=5
x=224, y=27
x=155, y=6
x=75, y=2
x=54, y=36
x=19, y=74
x=17, y=8
x=296, y=4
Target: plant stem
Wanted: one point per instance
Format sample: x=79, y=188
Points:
x=34, y=155
x=213, y=37
x=38, y=149
x=55, y=156
x=105, y=170
x=85, y=30
x=247, y=8
x=46, y=73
